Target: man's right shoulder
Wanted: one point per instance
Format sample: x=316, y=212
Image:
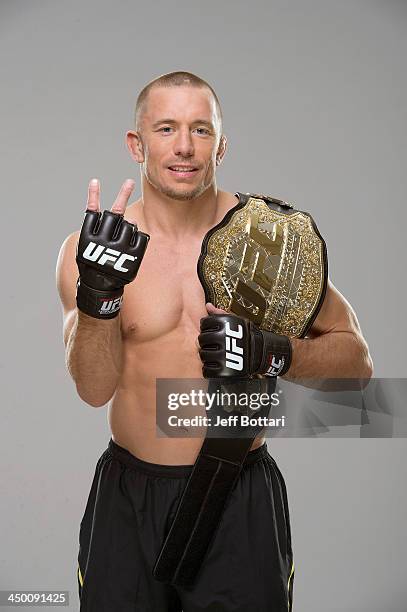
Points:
x=67, y=272
x=68, y=247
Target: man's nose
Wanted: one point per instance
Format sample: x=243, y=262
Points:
x=183, y=144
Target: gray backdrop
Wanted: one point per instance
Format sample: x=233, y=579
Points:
x=314, y=98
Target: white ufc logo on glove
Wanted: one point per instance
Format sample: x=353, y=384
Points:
x=276, y=366
x=97, y=254
x=234, y=352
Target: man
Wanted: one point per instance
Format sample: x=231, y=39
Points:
x=122, y=335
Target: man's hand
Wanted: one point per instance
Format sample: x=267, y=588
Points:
x=231, y=346
x=108, y=254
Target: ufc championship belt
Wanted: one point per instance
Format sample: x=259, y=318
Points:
x=267, y=262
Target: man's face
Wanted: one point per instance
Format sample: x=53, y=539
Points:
x=180, y=133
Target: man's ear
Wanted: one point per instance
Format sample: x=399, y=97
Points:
x=221, y=149
x=135, y=146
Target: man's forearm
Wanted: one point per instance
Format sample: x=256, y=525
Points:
x=94, y=357
x=331, y=355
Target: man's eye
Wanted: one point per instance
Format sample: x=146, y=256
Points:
x=165, y=128
x=203, y=130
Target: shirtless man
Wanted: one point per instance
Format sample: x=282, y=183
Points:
x=139, y=479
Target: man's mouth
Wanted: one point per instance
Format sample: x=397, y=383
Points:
x=183, y=171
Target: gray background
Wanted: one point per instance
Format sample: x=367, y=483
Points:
x=314, y=98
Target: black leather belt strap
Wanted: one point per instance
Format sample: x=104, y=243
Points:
x=213, y=477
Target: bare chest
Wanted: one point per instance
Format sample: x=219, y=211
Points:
x=166, y=295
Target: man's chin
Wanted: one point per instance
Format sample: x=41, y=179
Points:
x=183, y=195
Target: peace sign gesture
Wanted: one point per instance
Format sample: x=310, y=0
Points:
x=109, y=253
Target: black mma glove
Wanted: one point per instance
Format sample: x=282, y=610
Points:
x=108, y=254
x=231, y=346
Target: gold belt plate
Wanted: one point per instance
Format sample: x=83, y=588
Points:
x=268, y=266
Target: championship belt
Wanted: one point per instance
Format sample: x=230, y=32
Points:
x=267, y=262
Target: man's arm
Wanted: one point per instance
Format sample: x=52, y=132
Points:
x=93, y=352
x=106, y=254
x=231, y=346
x=335, y=347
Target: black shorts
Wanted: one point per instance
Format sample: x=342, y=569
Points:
x=248, y=568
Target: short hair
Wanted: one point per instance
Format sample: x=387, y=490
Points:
x=174, y=79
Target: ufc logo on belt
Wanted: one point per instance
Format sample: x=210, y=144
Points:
x=234, y=352
x=102, y=254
